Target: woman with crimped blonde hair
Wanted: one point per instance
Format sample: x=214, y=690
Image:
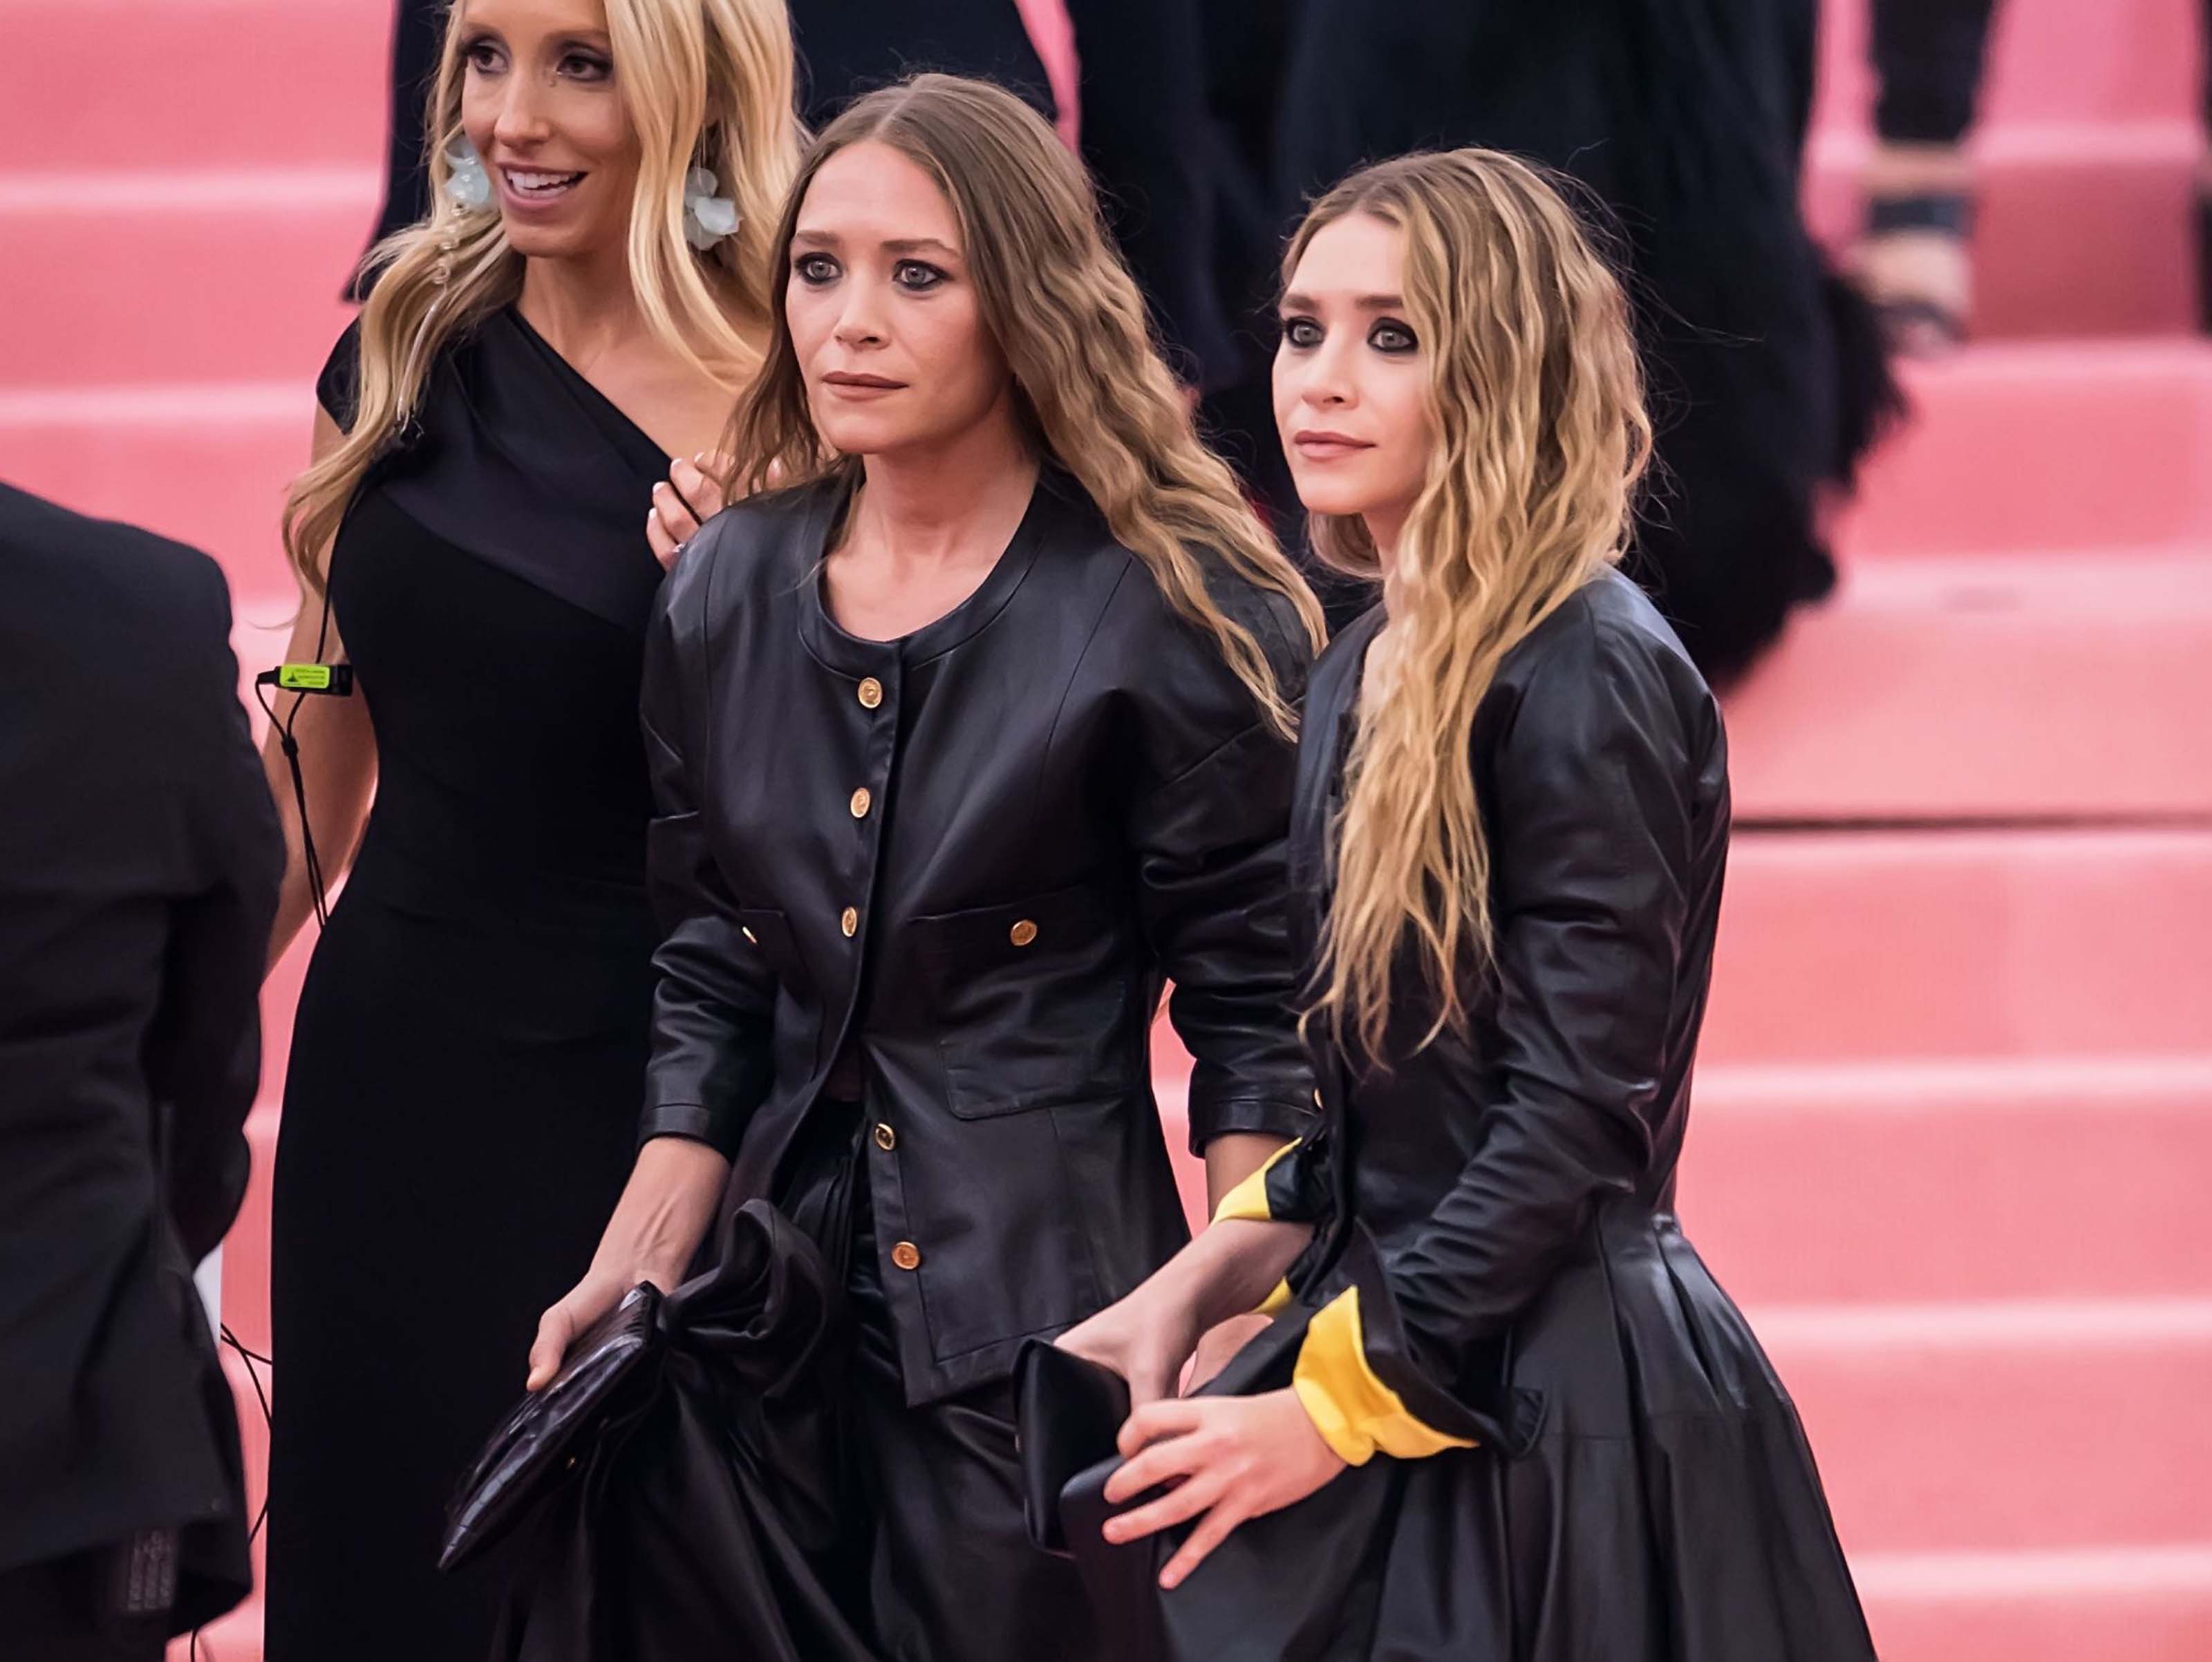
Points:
x=1503, y=1408
x=966, y=742
x=585, y=299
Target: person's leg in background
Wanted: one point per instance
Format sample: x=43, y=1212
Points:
x=1915, y=259
x=418, y=27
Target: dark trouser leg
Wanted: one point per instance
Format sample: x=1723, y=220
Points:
x=954, y=1578
x=1928, y=57
x=52, y=1611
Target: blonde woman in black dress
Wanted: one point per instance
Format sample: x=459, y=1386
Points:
x=580, y=305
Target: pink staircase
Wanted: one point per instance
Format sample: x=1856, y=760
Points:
x=1954, y=1117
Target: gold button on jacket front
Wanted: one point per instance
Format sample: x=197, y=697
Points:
x=906, y=1255
x=861, y=800
x=850, y=922
x=886, y=1138
x=1021, y=933
x=871, y=693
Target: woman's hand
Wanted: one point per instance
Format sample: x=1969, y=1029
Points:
x=1230, y=1458
x=657, y=1227
x=686, y=500
x=1146, y=1338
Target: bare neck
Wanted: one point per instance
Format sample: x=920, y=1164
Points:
x=942, y=503
x=583, y=307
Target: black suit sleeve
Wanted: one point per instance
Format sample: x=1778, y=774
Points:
x=714, y=1005
x=202, y=1051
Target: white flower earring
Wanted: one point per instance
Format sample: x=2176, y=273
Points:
x=467, y=186
x=708, y=217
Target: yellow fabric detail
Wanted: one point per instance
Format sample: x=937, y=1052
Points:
x=1355, y=1412
x=1248, y=1199
x=1276, y=1300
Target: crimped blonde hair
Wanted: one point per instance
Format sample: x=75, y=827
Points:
x=704, y=83
x=1089, y=381
x=1537, y=399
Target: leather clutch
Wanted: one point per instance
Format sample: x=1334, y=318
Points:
x=1069, y=1411
x=553, y=1430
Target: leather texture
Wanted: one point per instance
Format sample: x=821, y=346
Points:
x=1073, y=802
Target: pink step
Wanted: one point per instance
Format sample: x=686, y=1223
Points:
x=2117, y=60
x=2027, y=1424
x=2116, y=1604
x=1849, y=946
x=1942, y=1180
x=127, y=84
x=2017, y=448
x=1983, y=687
x=206, y=463
x=2083, y=228
x=177, y=277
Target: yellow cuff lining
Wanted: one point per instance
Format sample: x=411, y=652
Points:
x=1276, y=1300
x=1355, y=1412
x=1248, y=1199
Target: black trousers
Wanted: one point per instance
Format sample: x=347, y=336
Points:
x=54, y=1612
x=951, y=1576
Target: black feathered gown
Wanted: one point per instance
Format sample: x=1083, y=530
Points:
x=1598, y=1461
x=461, y=1108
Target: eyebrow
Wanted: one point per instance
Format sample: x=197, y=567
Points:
x=898, y=245
x=1363, y=302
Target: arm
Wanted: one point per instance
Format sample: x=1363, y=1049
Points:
x=203, y=1050
x=337, y=758
x=713, y=1013
x=1211, y=871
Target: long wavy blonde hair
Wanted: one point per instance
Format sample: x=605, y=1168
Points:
x=1536, y=396
x=1089, y=382
x=704, y=83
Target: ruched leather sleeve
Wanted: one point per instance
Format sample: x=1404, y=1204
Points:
x=1211, y=843
x=1593, y=820
x=714, y=1005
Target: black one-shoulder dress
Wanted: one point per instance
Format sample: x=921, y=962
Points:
x=461, y=1108
x=1567, y=1442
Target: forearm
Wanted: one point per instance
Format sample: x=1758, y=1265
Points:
x=1231, y=1158
x=337, y=794
x=1230, y=1268
x=664, y=1212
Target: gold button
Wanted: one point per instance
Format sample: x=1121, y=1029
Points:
x=1021, y=933
x=745, y=931
x=886, y=1138
x=849, y=923
x=906, y=1255
x=860, y=801
x=871, y=693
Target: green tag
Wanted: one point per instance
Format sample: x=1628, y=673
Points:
x=304, y=678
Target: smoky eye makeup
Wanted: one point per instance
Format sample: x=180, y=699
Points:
x=917, y=277
x=1300, y=331
x=814, y=269
x=1388, y=335
x=587, y=64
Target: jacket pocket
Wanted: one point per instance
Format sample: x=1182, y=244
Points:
x=768, y=932
x=1031, y=1001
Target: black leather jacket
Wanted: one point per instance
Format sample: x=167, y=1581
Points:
x=970, y=858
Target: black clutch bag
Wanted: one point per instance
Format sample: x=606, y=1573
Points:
x=1069, y=1411
x=550, y=1434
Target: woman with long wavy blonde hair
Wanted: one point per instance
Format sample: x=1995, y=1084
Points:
x=965, y=741
x=1504, y=1410
x=584, y=300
